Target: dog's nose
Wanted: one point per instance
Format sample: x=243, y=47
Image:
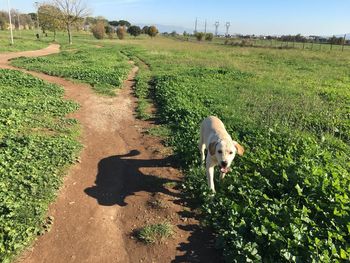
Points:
x=223, y=163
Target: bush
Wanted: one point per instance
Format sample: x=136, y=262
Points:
x=200, y=36
x=152, y=31
x=209, y=36
x=121, y=32
x=109, y=31
x=98, y=30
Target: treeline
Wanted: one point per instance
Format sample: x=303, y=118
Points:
x=299, y=38
x=101, y=27
x=19, y=20
x=68, y=15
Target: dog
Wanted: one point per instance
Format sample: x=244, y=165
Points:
x=221, y=149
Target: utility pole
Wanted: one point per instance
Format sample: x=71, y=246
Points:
x=216, y=27
x=205, y=27
x=8, y=4
x=195, y=26
x=344, y=39
x=228, y=24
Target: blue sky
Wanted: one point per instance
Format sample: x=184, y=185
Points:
x=320, y=17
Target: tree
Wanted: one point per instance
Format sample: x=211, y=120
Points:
x=134, y=30
x=3, y=20
x=109, y=31
x=145, y=30
x=73, y=11
x=113, y=23
x=152, y=31
x=33, y=16
x=121, y=32
x=98, y=30
x=124, y=23
x=50, y=18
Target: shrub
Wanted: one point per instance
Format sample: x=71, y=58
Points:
x=121, y=32
x=200, y=36
x=109, y=31
x=98, y=30
x=152, y=31
x=209, y=36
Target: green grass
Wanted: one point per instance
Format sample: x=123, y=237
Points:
x=155, y=233
x=103, y=68
x=142, y=91
x=37, y=143
x=265, y=43
x=160, y=131
x=23, y=40
x=287, y=199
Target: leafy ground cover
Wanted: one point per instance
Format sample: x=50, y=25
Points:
x=23, y=40
x=103, y=67
x=37, y=142
x=287, y=199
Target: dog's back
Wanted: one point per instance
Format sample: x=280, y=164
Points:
x=212, y=126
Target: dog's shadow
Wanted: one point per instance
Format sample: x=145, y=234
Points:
x=119, y=176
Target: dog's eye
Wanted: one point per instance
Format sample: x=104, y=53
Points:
x=230, y=152
x=219, y=151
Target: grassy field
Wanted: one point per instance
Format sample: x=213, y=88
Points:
x=265, y=43
x=98, y=63
x=287, y=199
x=37, y=142
x=103, y=68
x=23, y=40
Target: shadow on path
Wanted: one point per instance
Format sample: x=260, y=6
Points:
x=119, y=176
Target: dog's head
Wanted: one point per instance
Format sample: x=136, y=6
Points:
x=225, y=152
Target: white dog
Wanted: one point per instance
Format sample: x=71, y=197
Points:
x=221, y=149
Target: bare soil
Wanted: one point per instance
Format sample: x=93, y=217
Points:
x=113, y=189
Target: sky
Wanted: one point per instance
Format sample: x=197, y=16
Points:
x=266, y=17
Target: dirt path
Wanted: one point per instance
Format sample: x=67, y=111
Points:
x=108, y=193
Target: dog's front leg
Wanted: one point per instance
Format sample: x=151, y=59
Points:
x=210, y=173
x=222, y=176
x=202, y=150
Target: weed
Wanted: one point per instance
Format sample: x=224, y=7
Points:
x=155, y=233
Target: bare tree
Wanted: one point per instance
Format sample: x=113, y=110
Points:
x=73, y=11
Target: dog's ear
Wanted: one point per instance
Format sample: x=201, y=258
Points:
x=240, y=149
x=212, y=147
